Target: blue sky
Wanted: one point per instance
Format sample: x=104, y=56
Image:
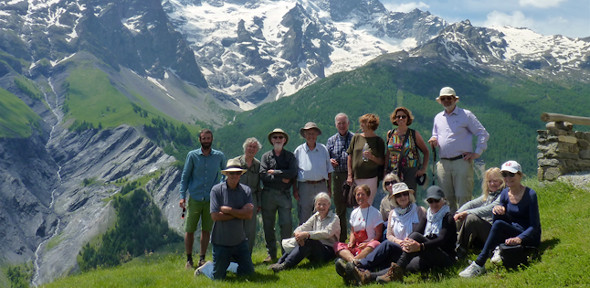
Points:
x=548, y=17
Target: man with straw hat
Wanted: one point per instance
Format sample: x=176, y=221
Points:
x=231, y=205
x=278, y=171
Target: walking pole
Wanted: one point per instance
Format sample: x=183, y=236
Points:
x=433, y=162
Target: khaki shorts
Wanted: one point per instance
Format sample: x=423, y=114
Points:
x=198, y=210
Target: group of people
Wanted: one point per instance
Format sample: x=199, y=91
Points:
x=383, y=243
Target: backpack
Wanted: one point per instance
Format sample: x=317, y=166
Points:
x=516, y=255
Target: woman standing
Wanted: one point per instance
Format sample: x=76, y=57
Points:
x=315, y=238
x=403, y=145
x=366, y=229
x=366, y=155
x=475, y=216
x=516, y=219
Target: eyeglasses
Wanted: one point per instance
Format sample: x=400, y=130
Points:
x=277, y=137
x=507, y=174
x=446, y=98
x=401, y=116
x=387, y=183
x=430, y=200
x=399, y=195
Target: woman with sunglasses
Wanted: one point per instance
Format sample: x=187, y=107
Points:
x=386, y=204
x=516, y=219
x=404, y=218
x=475, y=216
x=403, y=145
x=435, y=247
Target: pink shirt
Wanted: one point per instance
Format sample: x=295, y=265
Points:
x=454, y=133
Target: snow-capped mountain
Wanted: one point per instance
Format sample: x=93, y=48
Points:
x=263, y=50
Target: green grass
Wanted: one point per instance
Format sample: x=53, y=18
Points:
x=565, y=259
x=17, y=120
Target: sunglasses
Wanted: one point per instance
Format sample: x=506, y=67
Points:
x=446, y=98
x=399, y=195
x=278, y=137
x=387, y=183
x=401, y=116
x=430, y=200
x=183, y=212
x=508, y=174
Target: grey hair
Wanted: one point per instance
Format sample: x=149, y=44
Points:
x=322, y=195
x=340, y=115
x=251, y=140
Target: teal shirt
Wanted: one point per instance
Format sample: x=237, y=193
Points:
x=201, y=173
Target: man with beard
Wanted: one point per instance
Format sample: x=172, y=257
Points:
x=201, y=171
x=453, y=133
x=278, y=171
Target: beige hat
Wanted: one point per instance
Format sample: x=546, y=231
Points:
x=280, y=131
x=447, y=91
x=308, y=126
x=233, y=165
x=399, y=188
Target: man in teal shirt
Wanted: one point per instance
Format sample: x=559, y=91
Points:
x=201, y=172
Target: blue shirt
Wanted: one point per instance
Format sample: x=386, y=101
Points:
x=313, y=164
x=454, y=132
x=229, y=232
x=337, y=146
x=524, y=215
x=200, y=173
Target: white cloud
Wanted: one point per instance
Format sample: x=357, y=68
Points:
x=499, y=19
x=406, y=7
x=540, y=3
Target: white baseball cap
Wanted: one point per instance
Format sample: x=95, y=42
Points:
x=511, y=166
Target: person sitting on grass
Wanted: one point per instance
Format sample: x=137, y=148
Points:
x=366, y=230
x=475, y=216
x=516, y=219
x=421, y=252
x=314, y=239
x=404, y=218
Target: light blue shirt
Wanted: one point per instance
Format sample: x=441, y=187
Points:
x=200, y=173
x=454, y=132
x=313, y=165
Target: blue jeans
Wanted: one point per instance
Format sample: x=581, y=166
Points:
x=222, y=255
x=314, y=250
x=501, y=230
x=382, y=256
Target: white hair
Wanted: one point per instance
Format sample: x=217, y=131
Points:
x=322, y=195
x=251, y=140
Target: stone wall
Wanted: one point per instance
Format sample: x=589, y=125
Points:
x=562, y=151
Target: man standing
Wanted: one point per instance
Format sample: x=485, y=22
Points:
x=278, y=169
x=453, y=132
x=231, y=205
x=337, y=146
x=313, y=174
x=251, y=178
x=200, y=173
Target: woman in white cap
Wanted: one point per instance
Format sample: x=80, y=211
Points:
x=314, y=239
x=516, y=219
x=422, y=251
x=404, y=218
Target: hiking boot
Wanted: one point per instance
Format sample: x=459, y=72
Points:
x=472, y=270
x=277, y=267
x=361, y=276
x=345, y=270
x=395, y=273
x=341, y=267
x=189, y=265
x=496, y=259
x=269, y=259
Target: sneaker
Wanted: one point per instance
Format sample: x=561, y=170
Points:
x=199, y=270
x=472, y=270
x=277, y=267
x=269, y=259
x=189, y=265
x=395, y=273
x=496, y=259
x=361, y=276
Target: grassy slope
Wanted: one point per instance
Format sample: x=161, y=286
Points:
x=565, y=259
x=16, y=118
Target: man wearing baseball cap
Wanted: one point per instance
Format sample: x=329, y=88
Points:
x=453, y=132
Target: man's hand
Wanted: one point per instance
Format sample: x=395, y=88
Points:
x=433, y=142
x=182, y=203
x=470, y=156
x=460, y=216
x=334, y=162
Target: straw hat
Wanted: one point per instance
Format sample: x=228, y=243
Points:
x=233, y=165
x=279, y=131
